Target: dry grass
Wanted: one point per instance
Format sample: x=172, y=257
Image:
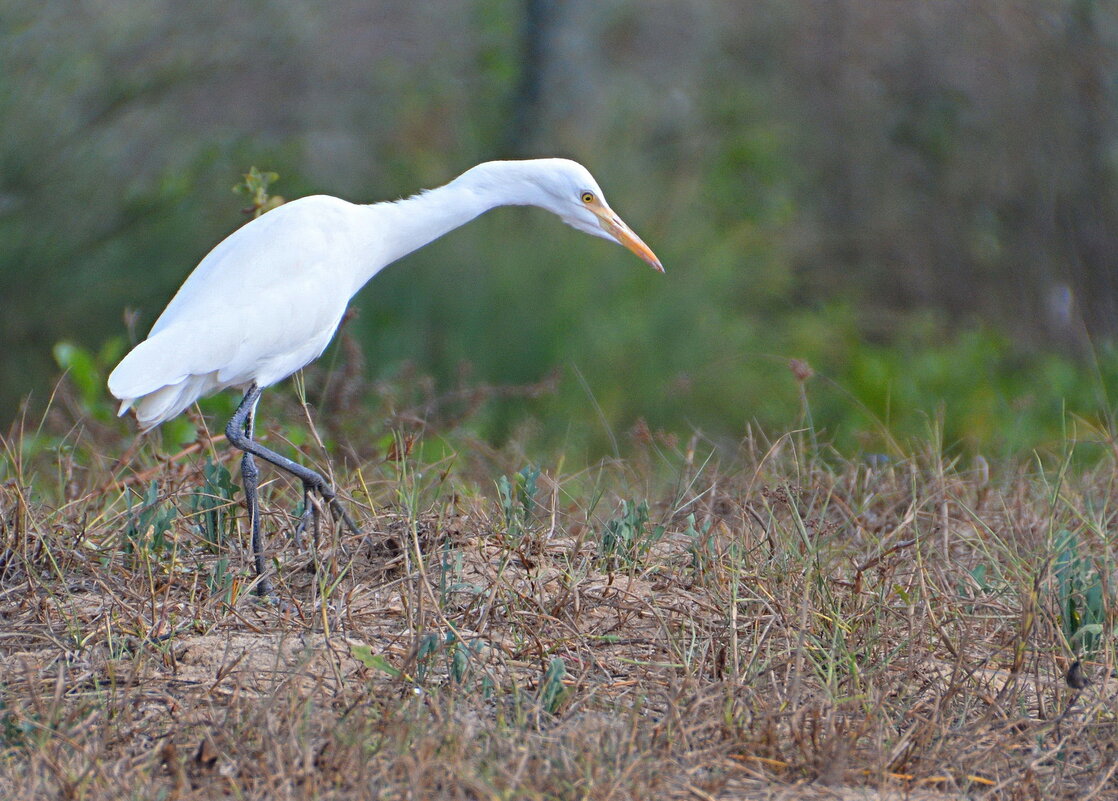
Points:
x=802, y=627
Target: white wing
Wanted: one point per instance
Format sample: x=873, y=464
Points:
x=265, y=302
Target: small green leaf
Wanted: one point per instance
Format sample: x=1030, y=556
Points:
x=1085, y=631
x=552, y=693
x=364, y=654
x=459, y=664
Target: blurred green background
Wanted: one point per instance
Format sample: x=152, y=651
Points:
x=915, y=199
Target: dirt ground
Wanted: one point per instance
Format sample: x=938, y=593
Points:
x=768, y=630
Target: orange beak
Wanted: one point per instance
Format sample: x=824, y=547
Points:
x=615, y=227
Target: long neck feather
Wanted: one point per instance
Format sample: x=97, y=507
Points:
x=402, y=226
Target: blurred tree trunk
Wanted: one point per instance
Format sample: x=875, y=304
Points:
x=535, y=36
x=838, y=169
x=1087, y=217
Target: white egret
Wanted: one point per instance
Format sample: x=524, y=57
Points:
x=267, y=300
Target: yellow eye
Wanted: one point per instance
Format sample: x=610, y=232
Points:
x=587, y=197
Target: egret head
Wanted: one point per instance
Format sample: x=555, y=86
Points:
x=570, y=191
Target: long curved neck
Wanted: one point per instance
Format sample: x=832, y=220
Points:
x=402, y=226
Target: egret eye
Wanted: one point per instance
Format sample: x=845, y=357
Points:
x=587, y=197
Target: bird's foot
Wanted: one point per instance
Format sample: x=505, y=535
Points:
x=265, y=591
x=308, y=520
x=269, y=598
x=337, y=508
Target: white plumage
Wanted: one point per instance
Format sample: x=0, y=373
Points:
x=267, y=300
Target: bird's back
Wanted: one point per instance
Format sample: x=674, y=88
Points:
x=262, y=304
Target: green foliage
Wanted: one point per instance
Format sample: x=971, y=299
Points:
x=627, y=538
x=364, y=654
x=212, y=506
x=222, y=582
x=148, y=526
x=88, y=372
x=518, y=499
x=376, y=661
x=977, y=583
x=459, y=658
x=702, y=546
x=457, y=654
x=213, y=513
x=1081, y=595
x=986, y=394
x=552, y=693
x=430, y=645
x=255, y=184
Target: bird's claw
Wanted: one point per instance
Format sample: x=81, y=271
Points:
x=312, y=512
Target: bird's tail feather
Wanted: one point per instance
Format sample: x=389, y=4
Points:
x=167, y=402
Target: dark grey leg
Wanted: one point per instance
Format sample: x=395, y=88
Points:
x=303, y=518
x=250, y=477
x=239, y=432
x=310, y=515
